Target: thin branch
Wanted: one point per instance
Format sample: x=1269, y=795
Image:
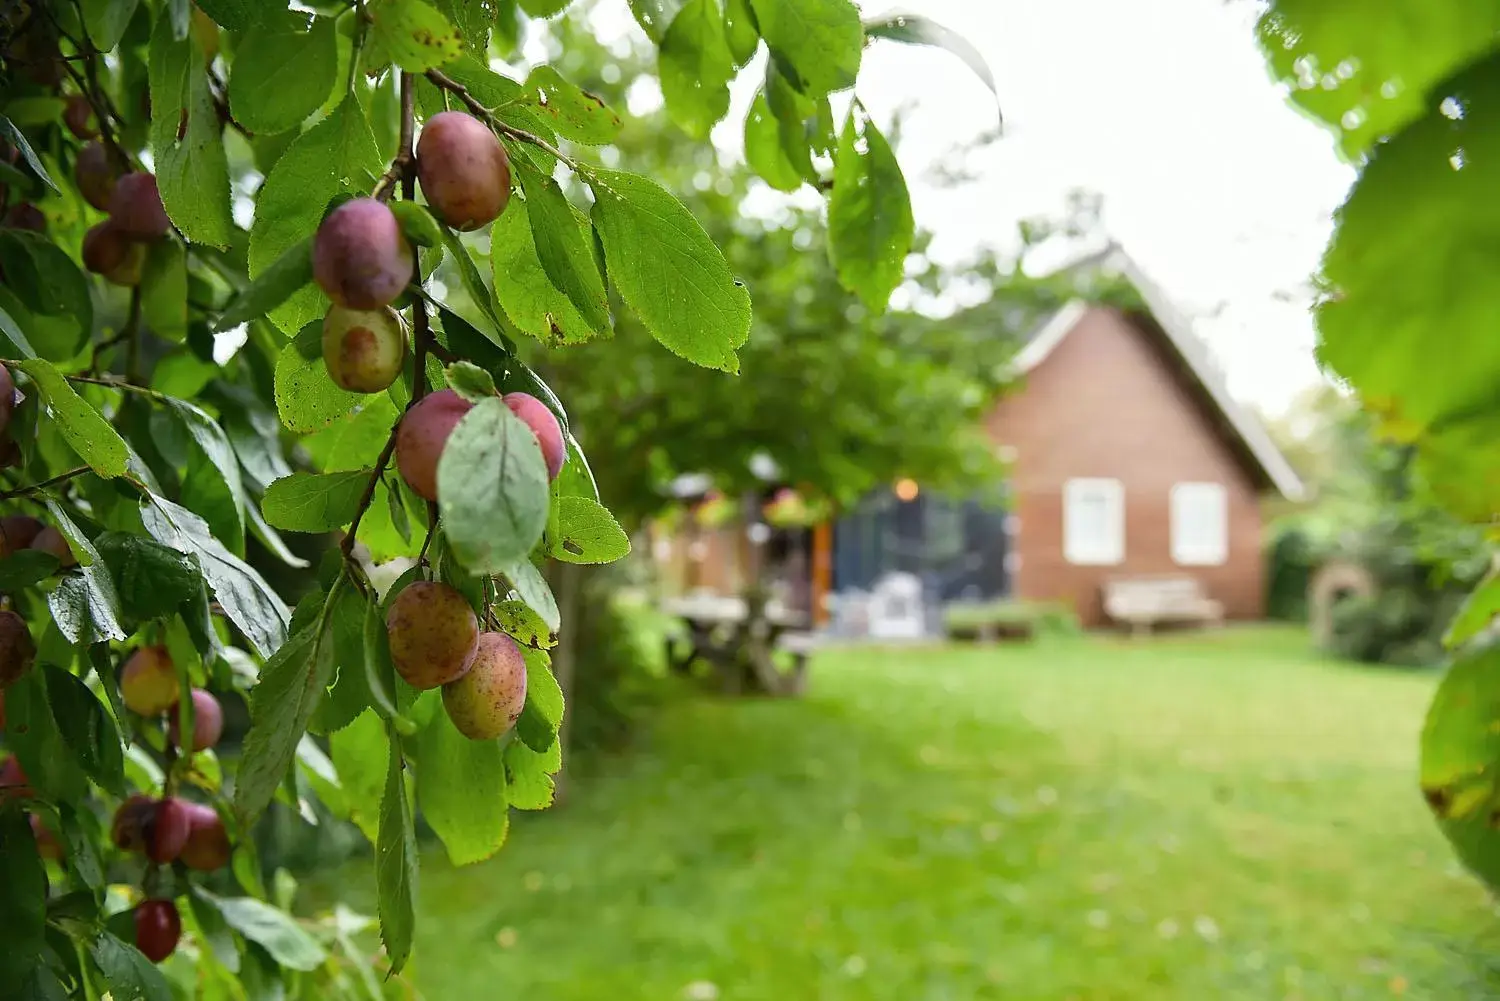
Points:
x=366, y=498
x=132, y=332
x=403, y=164
x=451, y=85
x=51, y=482
x=421, y=330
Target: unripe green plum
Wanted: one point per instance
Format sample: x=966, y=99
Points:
x=487, y=701
x=167, y=832
x=207, y=845
x=433, y=632
x=78, y=116
x=50, y=540
x=208, y=721
x=422, y=436
x=544, y=425
x=109, y=252
x=136, y=210
x=360, y=257
x=463, y=169
x=158, y=928
x=27, y=216
x=7, y=399
x=17, y=531
x=363, y=349
x=148, y=681
x=17, y=650
x=95, y=175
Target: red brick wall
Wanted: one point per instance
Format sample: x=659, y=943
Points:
x=1108, y=402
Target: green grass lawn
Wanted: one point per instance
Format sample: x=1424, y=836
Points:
x=1215, y=817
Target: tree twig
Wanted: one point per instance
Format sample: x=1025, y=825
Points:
x=50, y=482
x=366, y=498
x=451, y=85
x=421, y=330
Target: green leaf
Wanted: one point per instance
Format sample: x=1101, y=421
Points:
x=17, y=138
x=544, y=8
x=1477, y=614
x=244, y=595
x=470, y=381
x=152, y=580
x=106, y=21
x=565, y=246
x=308, y=502
x=214, y=931
x=164, y=290
x=82, y=427
x=542, y=715
x=288, y=275
x=213, y=443
x=129, y=975
x=473, y=19
x=914, y=29
x=412, y=34
x=350, y=694
x=237, y=15
x=474, y=283
x=461, y=790
x=669, y=271
x=281, y=705
x=589, y=533
x=307, y=399
x=23, y=900
x=820, y=41
x=80, y=834
x=574, y=113
x=31, y=734
x=273, y=930
x=337, y=155
x=418, y=224
x=12, y=331
x=532, y=588
x=25, y=568
x=493, y=487
x=396, y=865
x=84, y=604
x=522, y=287
x=360, y=752
x=86, y=729
x=522, y=623
x=187, y=143
x=1367, y=76
x=654, y=16
x=528, y=775
x=870, y=225
x=1461, y=760
x=48, y=284
x=696, y=67
x=765, y=151
x=283, y=71
x=740, y=31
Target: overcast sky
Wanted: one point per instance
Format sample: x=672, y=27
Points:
x=1210, y=180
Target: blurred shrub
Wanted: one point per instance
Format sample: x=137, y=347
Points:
x=1006, y=619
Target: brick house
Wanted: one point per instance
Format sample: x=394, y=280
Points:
x=1128, y=458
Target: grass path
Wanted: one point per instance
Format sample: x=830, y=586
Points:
x=1216, y=817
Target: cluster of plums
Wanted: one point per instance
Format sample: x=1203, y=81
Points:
x=116, y=247
x=363, y=261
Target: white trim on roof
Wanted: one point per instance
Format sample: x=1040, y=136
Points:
x=1190, y=349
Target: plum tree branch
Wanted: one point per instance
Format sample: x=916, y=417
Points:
x=451, y=85
x=44, y=484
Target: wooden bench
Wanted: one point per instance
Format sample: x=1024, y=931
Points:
x=1143, y=603
x=737, y=650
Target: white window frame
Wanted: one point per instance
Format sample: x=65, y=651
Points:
x=1200, y=524
x=1101, y=552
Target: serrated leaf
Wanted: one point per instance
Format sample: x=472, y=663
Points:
x=47, y=283
x=79, y=832
x=214, y=931
x=335, y=156
x=307, y=399
x=765, y=148
x=473, y=19
x=544, y=8
x=315, y=502
x=106, y=21
x=654, y=16
x=528, y=775
x=522, y=287
x=695, y=68
x=418, y=224
x=187, y=143
x=360, y=753
x=283, y=71
x=565, y=246
x=84, y=604
x=86, y=729
x=915, y=29
x=25, y=568
x=818, y=40
x=588, y=533
x=237, y=15
x=470, y=381
x=129, y=975
x=493, y=487
x=396, y=864
x=574, y=113
x=83, y=428
x=164, y=290
x=461, y=790
x=412, y=34
x=151, y=579
x=31, y=734
x=523, y=624
x=290, y=273
x=740, y=31
x=213, y=444
x=1477, y=614
x=870, y=225
x=12, y=331
x=350, y=693
x=474, y=283
x=669, y=271
x=533, y=589
x=273, y=930
x=17, y=138
x=542, y=715
x=1461, y=759
x=281, y=704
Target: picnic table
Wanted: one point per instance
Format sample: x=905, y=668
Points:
x=737, y=646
